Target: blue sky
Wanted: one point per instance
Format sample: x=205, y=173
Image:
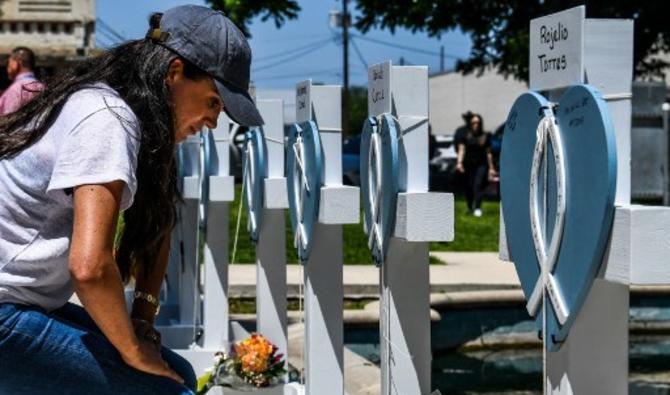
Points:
x=276, y=65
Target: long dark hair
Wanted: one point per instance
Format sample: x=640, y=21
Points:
x=481, y=123
x=137, y=71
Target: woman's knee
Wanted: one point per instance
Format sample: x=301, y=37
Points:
x=180, y=365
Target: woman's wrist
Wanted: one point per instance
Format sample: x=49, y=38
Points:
x=132, y=351
x=143, y=311
x=145, y=306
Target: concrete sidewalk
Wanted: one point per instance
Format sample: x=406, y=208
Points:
x=464, y=271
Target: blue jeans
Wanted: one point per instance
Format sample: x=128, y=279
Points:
x=63, y=352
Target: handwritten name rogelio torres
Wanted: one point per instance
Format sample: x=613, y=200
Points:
x=549, y=37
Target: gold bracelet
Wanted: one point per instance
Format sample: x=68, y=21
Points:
x=147, y=297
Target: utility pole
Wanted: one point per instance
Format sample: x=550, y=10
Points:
x=441, y=58
x=345, y=69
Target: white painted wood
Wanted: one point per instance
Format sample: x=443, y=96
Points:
x=379, y=86
x=409, y=94
x=221, y=188
x=639, y=237
x=184, y=237
x=324, y=332
x=557, y=49
x=215, y=297
x=221, y=154
x=191, y=187
x=406, y=293
x=327, y=112
x=271, y=247
x=503, y=249
x=339, y=205
x=188, y=298
x=608, y=48
x=276, y=193
x=271, y=279
x=190, y=154
x=303, y=101
x=594, y=358
x=425, y=216
x=272, y=111
x=215, y=281
x=404, y=281
x=324, y=336
x=621, y=111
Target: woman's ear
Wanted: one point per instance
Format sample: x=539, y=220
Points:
x=175, y=72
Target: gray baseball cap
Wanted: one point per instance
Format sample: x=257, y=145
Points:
x=213, y=43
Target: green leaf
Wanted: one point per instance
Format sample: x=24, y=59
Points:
x=204, y=383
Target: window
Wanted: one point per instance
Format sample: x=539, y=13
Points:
x=13, y=27
x=40, y=27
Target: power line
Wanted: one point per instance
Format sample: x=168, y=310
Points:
x=305, y=74
x=107, y=36
x=291, y=51
x=406, y=48
x=103, y=42
x=290, y=59
x=301, y=37
x=110, y=30
x=359, y=53
x=295, y=75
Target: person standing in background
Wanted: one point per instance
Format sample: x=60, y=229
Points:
x=474, y=159
x=24, y=86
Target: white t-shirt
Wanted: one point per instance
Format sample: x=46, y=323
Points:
x=94, y=140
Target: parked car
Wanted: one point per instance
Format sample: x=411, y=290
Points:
x=442, y=165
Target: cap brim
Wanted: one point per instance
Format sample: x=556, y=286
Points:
x=238, y=105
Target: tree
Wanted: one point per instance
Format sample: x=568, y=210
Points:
x=241, y=12
x=499, y=28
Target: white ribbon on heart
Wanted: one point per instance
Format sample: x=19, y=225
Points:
x=301, y=186
x=547, y=132
x=249, y=183
x=375, y=187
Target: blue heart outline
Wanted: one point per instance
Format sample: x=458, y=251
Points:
x=590, y=155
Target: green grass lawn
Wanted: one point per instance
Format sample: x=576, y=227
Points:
x=356, y=250
x=472, y=234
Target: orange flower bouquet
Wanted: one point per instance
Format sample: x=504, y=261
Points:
x=252, y=363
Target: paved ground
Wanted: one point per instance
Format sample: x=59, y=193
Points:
x=464, y=271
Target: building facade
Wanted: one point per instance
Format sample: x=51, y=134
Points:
x=453, y=93
x=58, y=31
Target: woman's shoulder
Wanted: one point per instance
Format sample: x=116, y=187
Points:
x=99, y=98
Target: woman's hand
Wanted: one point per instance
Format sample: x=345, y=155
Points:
x=147, y=358
x=492, y=173
x=460, y=168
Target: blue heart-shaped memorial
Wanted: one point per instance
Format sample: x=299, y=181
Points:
x=379, y=181
x=558, y=181
x=254, y=176
x=304, y=166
